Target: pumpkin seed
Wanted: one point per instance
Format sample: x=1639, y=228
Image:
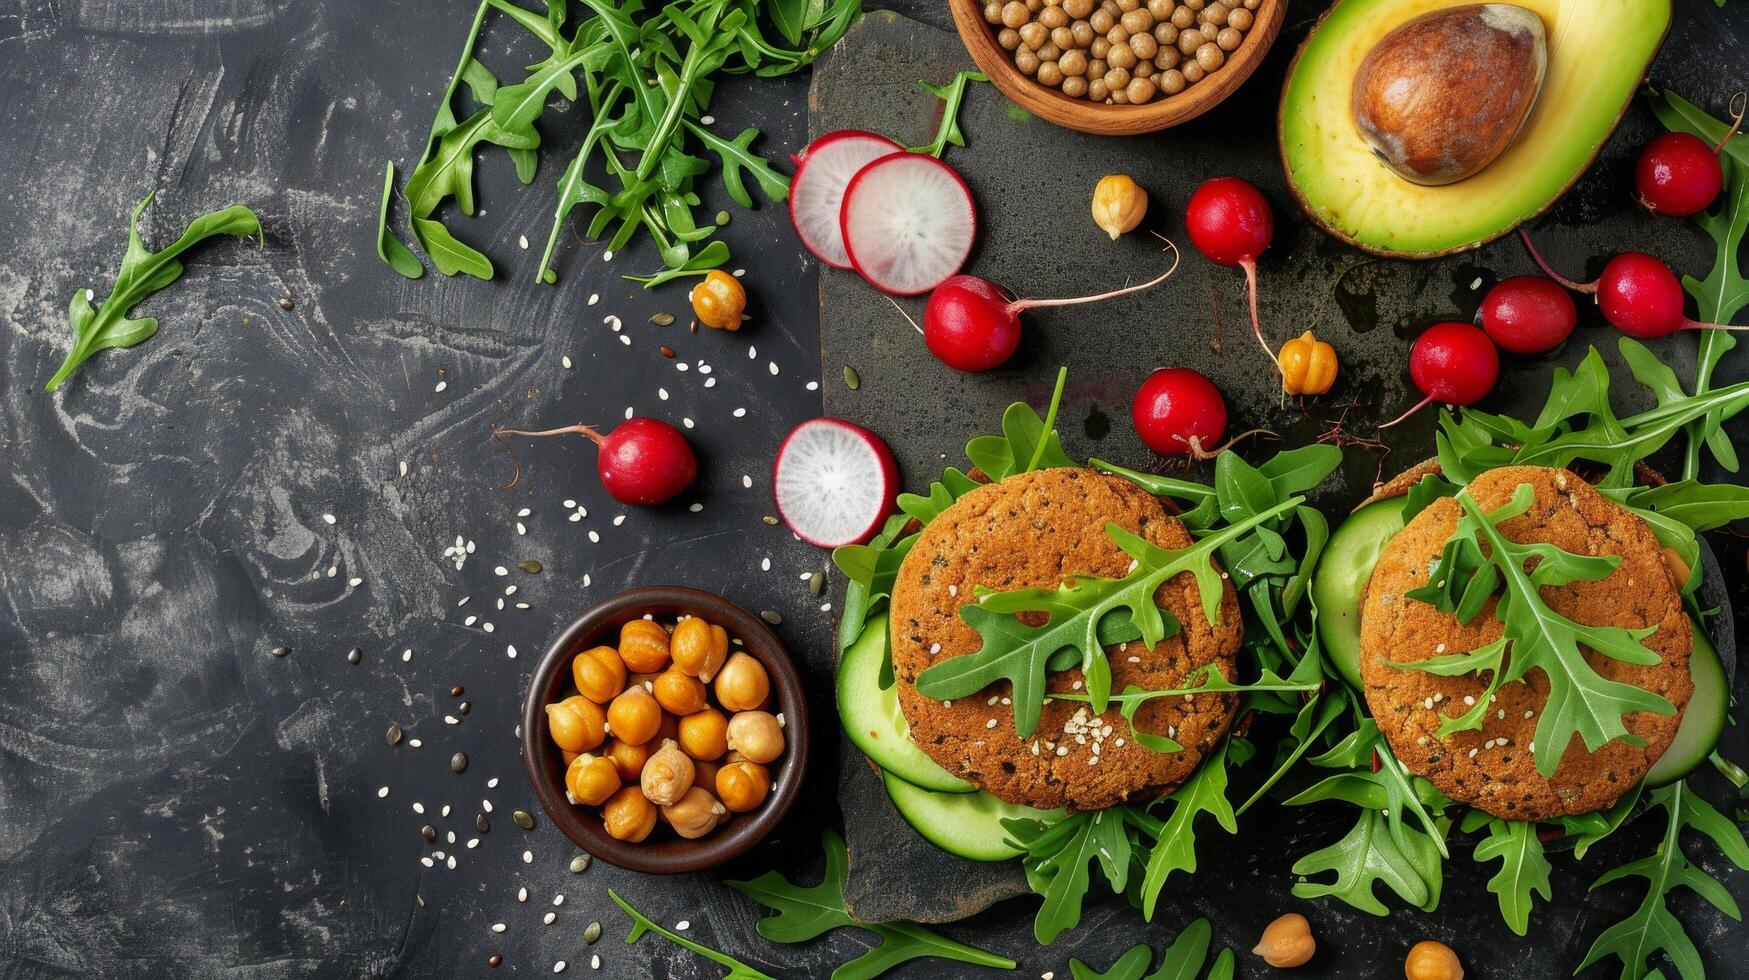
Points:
x=663, y=319
x=354, y=655
x=579, y=863
x=458, y=763
x=523, y=820
x=530, y=566
x=816, y=583
x=771, y=616
x=592, y=933
x=852, y=380
x=769, y=520
x=281, y=651
x=481, y=825
x=393, y=736
x=722, y=218
x=429, y=833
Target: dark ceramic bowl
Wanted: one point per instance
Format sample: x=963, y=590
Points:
x=662, y=852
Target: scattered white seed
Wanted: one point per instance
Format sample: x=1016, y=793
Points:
x=527, y=857
x=418, y=808
x=509, y=651
x=682, y=925
x=500, y=570
x=695, y=508
x=355, y=582
x=594, y=538
x=813, y=386
x=440, y=386
x=548, y=918
x=740, y=413
x=594, y=298
x=497, y=927
x=521, y=528
x=619, y=519
x=662, y=393
x=328, y=518
x=382, y=792
x=747, y=481
x=765, y=565
x=488, y=627
x=522, y=894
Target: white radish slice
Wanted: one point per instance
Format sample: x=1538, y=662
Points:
x=835, y=482
x=908, y=222
x=816, y=192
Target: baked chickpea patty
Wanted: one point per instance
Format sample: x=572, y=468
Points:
x=1492, y=768
x=1035, y=530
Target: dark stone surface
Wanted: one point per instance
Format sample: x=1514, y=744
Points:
x=175, y=801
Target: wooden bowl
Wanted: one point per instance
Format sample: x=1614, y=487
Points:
x=662, y=852
x=1115, y=120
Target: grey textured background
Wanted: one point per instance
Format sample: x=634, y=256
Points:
x=176, y=802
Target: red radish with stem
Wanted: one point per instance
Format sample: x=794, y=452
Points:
x=908, y=222
x=972, y=324
x=642, y=462
x=1453, y=363
x=816, y=192
x=1528, y=314
x=834, y=482
x=1230, y=222
x=1179, y=412
x=1679, y=173
x=1637, y=293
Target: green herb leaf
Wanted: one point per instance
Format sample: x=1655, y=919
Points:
x=1056, y=860
x=390, y=248
x=737, y=156
x=1408, y=864
x=952, y=95
x=1183, y=959
x=1524, y=871
x=801, y=914
x=142, y=273
x=1175, y=839
x=450, y=254
x=642, y=923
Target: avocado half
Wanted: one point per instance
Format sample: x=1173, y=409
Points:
x=1598, y=53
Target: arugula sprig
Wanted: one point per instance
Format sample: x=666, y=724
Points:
x=801, y=914
x=952, y=96
x=1183, y=960
x=1652, y=928
x=142, y=273
x=642, y=923
x=1524, y=868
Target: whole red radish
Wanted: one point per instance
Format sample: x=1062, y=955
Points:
x=1230, y=222
x=1679, y=174
x=1179, y=412
x=1637, y=293
x=1528, y=314
x=1453, y=363
x=643, y=462
x=972, y=324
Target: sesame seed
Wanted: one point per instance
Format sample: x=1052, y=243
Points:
x=440, y=386
x=328, y=518
x=498, y=927
x=382, y=792
x=682, y=925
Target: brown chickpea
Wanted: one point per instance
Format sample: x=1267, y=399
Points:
x=1099, y=48
x=668, y=774
x=1193, y=72
x=1026, y=61
x=643, y=645
x=1075, y=86
x=1101, y=21
x=1229, y=38
x=1167, y=58
x=1096, y=68
x=742, y=685
x=1053, y=18
x=568, y=757
x=1078, y=9
x=629, y=759
x=1128, y=5
x=695, y=814
x=1161, y=9
x=1082, y=32
x=1240, y=19
x=1117, y=35
x=679, y=693
x=1073, y=64
x=1111, y=7
x=592, y=779
x=1014, y=14
x=1253, y=4
x=1143, y=69
x=1118, y=97
x=1210, y=56
x=1034, y=35
x=1183, y=17
x=1166, y=34
x=1216, y=14
x=1195, y=5
x=757, y=735
x=742, y=786
x=1189, y=41
x=1063, y=38
x=1048, y=54
x=1116, y=79
x=1009, y=38
x=577, y=724
x=1171, y=81
x=628, y=816
x=1035, y=6
x=993, y=12
x=598, y=673
x=1097, y=90
x=634, y=716
x=1049, y=74
x=693, y=649
x=1139, y=90
x=1122, y=57
x=1144, y=45
x=1138, y=21
x=704, y=735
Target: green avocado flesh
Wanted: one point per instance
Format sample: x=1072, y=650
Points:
x=1340, y=583
x=966, y=824
x=1598, y=52
x=868, y=705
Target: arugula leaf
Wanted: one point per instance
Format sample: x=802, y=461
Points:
x=1027, y=443
x=142, y=273
x=1651, y=928
x=1524, y=871
x=1056, y=858
x=1183, y=960
x=952, y=95
x=1018, y=653
x=1175, y=839
x=1370, y=854
x=642, y=923
x=390, y=248
x=801, y=914
x=449, y=253
x=737, y=156
x=1587, y=829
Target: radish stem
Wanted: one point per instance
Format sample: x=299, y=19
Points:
x=1738, y=103
x=1423, y=403
x=1577, y=287
x=1027, y=304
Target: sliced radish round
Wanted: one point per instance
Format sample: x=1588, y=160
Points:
x=908, y=222
x=835, y=482
x=816, y=192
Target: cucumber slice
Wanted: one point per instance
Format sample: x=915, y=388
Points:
x=1341, y=576
x=868, y=706
x=966, y=824
x=1703, y=721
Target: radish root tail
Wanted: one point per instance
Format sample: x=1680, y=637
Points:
x=499, y=432
x=1198, y=452
x=1423, y=403
x=1250, y=267
x=1738, y=103
x=1020, y=305
x=1577, y=287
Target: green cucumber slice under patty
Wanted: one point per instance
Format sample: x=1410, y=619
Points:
x=966, y=824
x=1341, y=576
x=1340, y=581
x=1703, y=721
x=868, y=706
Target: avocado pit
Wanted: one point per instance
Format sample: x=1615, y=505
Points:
x=1438, y=98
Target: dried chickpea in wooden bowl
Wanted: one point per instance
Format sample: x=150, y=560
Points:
x=665, y=730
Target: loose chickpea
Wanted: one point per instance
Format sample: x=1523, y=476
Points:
x=742, y=786
x=592, y=779
x=1053, y=18
x=1073, y=63
x=1082, y=33
x=1144, y=46
x=742, y=684
x=1097, y=90
x=1049, y=74
x=628, y=816
x=1063, y=38
x=756, y=735
x=1119, y=98
x=598, y=673
x=1429, y=960
x=695, y=815
x=1120, y=57
x=1075, y=86
x=1193, y=72
x=1078, y=9
x=1194, y=5
x=634, y=716
x=1034, y=6
x=1099, y=48
x=1144, y=69
x=1009, y=38
x=993, y=12
x=1138, y=21
x=1183, y=17
x=1111, y=7
x=1128, y=5
x=668, y=774
x=1116, y=79
x=1240, y=19
x=643, y=645
x=1161, y=9
x=1287, y=942
x=1101, y=21
x=1166, y=35
x=1139, y=90
x=1014, y=14
x=577, y=724
x=704, y=735
x=1171, y=81
x=719, y=301
x=678, y=692
x=629, y=759
x=1229, y=38
x=705, y=773
x=1210, y=56
x=1048, y=54
x=1189, y=41
x=1026, y=61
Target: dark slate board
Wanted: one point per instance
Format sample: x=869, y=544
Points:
x=1032, y=182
